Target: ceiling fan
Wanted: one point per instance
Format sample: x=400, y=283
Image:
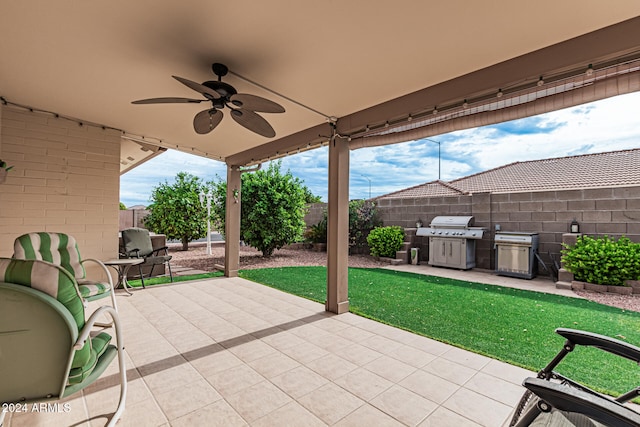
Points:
x=243, y=106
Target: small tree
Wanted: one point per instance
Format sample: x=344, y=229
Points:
x=363, y=217
x=176, y=210
x=273, y=208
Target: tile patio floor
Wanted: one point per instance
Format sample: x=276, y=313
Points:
x=230, y=352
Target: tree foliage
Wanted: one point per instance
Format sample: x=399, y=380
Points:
x=176, y=210
x=272, y=211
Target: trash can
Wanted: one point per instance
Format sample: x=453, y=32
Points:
x=415, y=258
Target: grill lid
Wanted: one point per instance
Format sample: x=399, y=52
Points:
x=451, y=222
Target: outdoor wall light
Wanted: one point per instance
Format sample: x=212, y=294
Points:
x=575, y=226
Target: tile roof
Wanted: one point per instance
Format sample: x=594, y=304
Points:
x=611, y=169
x=430, y=189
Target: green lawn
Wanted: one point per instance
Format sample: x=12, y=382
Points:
x=162, y=279
x=508, y=324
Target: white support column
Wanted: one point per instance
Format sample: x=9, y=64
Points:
x=232, y=223
x=338, y=227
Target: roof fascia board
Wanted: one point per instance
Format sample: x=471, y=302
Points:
x=599, y=45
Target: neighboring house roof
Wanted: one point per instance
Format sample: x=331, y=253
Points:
x=430, y=189
x=611, y=169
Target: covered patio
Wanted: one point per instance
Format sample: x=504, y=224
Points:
x=350, y=75
x=230, y=352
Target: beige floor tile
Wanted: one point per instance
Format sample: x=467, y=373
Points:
x=258, y=400
x=363, y=383
x=404, y=405
x=359, y=354
x=210, y=363
x=105, y=400
x=430, y=386
x=282, y=340
x=496, y=388
x=330, y=403
x=175, y=377
x=332, y=343
x=305, y=352
x=367, y=415
x=412, y=356
x=483, y=410
x=450, y=371
x=390, y=368
x=299, y=381
x=466, y=358
x=235, y=379
x=252, y=350
x=145, y=413
x=381, y=344
x=331, y=366
x=354, y=334
x=273, y=365
x=290, y=415
x=513, y=374
x=217, y=414
x=194, y=396
x=442, y=417
x=428, y=345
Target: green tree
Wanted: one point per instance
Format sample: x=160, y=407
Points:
x=176, y=210
x=123, y=207
x=273, y=208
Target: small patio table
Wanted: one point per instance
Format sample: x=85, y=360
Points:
x=122, y=266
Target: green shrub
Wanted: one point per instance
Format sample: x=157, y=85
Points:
x=603, y=260
x=317, y=233
x=385, y=241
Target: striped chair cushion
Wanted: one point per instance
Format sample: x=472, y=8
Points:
x=57, y=248
x=59, y=284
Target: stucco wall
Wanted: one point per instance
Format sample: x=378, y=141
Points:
x=65, y=179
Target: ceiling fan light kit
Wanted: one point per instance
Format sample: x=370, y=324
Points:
x=244, y=107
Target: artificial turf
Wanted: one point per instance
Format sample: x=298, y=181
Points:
x=163, y=279
x=512, y=325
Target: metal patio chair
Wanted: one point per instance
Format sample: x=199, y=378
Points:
x=47, y=351
x=553, y=400
x=137, y=244
x=62, y=249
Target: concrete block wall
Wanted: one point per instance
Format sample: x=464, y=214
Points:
x=66, y=178
x=600, y=211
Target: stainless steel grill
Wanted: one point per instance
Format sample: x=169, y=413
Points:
x=452, y=241
x=515, y=254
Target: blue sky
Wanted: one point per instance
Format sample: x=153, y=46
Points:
x=607, y=125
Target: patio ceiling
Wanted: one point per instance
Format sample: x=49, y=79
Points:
x=89, y=60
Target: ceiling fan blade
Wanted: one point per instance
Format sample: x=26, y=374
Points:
x=167, y=101
x=205, y=121
x=256, y=103
x=207, y=92
x=253, y=122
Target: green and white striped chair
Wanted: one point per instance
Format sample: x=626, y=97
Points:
x=62, y=249
x=46, y=350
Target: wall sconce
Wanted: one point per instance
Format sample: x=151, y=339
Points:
x=574, y=227
x=418, y=223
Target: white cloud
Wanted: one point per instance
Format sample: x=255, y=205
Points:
x=606, y=125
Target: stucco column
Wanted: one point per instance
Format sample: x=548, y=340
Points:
x=232, y=223
x=338, y=227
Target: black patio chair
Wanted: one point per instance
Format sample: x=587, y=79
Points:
x=137, y=244
x=554, y=400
